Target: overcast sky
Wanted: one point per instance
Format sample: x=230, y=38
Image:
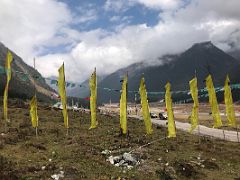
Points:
x=111, y=34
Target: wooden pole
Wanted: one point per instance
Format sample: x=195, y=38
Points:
x=65, y=106
x=135, y=99
x=224, y=136
x=237, y=134
x=5, y=126
x=199, y=138
x=36, y=131
x=126, y=103
x=34, y=65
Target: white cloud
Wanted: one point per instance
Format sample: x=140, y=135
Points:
x=49, y=64
x=123, y=5
x=115, y=18
x=178, y=29
x=88, y=15
x=118, y=5
x=161, y=4
x=130, y=45
x=85, y=13
x=26, y=25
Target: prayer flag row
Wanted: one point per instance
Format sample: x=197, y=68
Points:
x=144, y=102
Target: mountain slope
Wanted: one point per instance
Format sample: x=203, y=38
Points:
x=23, y=77
x=235, y=53
x=204, y=58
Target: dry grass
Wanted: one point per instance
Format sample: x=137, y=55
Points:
x=22, y=155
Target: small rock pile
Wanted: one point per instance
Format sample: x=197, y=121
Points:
x=58, y=176
x=126, y=160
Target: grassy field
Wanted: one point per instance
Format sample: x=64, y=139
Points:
x=78, y=155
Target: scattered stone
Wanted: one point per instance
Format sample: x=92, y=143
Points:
x=126, y=160
x=111, y=159
x=197, y=163
x=43, y=167
x=125, y=164
x=106, y=152
x=58, y=176
x=129, y=167
x=50, y=160
x=117, y=159
x=121, y=162
x=138, y=163
x=128, y=157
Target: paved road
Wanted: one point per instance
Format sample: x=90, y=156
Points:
x=204, y=131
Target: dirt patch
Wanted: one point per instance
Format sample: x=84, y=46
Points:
x=36, y=145
x=7, y=169
x=167, y=173
x=209, y=164
x=18, y=103
x=185, y=169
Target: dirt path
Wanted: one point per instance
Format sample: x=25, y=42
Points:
x=204, y=131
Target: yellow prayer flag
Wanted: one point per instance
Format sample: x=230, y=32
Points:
x=229, y=103
x=171, y=122
x=62, y=93
x=194, y=94
x=9, y=59
x=213, y=102
x=145, y=107
x=123, y=106
x=93, y=99
x=33, y=112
